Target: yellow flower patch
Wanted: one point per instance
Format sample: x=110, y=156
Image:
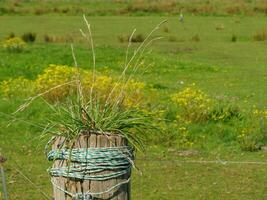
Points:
x=194, y=105
x=15, y=44
x=59, y=81
x=17, y=87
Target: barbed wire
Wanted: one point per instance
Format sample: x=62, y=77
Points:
x=29, y=180
x=219, y=161
x=151, y=160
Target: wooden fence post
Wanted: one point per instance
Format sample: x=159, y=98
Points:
x=2, y=160
x=91, y=140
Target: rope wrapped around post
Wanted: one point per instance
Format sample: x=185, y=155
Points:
x=89, y=164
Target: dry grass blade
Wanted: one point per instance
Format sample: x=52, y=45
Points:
x=128, y=47
x=78, y=78
x=127, y=65
x=134, y=70
x=32, y=183
x=91, y=43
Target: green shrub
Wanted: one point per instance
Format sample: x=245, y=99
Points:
x=11, y=35
x=252, y=134
x=234, y=38
x=250, y=138
x=29, y=37
x=224, y=111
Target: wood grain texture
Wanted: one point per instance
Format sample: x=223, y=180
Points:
x=93, y=144
x=59, y=181
x=71, y=182
x=122, y=190
x=84, y=143
x=110, y=183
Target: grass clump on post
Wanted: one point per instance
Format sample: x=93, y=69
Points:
x=95, y=134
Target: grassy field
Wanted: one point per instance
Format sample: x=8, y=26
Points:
x=239, y=67
x=134, y=7
x=215, y=63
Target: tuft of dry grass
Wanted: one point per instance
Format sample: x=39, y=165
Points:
x=205, y=9
x=135, y=39
x=219, y=27
x=40, y=11
x=11, y=35
x=260, y=36
x=172, y=38
x=165, y=29
x=58, y=39
x=195, y=38
x=261, y=8
x=156, y=6
x=237, y=9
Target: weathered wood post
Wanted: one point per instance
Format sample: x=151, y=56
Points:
x=117, y=188
x=2, y=160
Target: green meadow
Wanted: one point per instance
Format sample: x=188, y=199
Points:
x=218, y=54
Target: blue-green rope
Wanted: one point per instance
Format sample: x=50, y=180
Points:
x=87, y=163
